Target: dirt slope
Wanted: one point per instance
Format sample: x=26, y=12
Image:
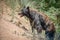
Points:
x=13, y=27
x=10, y=31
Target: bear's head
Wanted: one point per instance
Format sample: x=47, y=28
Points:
x=24, y=11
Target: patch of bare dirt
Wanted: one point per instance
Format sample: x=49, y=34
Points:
x=17, y=29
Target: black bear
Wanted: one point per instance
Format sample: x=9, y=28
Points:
x=39, y=21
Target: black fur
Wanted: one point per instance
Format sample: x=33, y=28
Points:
x=37, y=20
x=34, y=17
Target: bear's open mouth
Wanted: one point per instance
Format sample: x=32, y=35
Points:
x=21, y=15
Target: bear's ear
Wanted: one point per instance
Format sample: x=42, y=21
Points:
x=28, y=7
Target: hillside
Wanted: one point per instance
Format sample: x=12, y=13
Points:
x=14, y=27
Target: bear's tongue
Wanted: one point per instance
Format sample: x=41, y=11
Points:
x=21, y=15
